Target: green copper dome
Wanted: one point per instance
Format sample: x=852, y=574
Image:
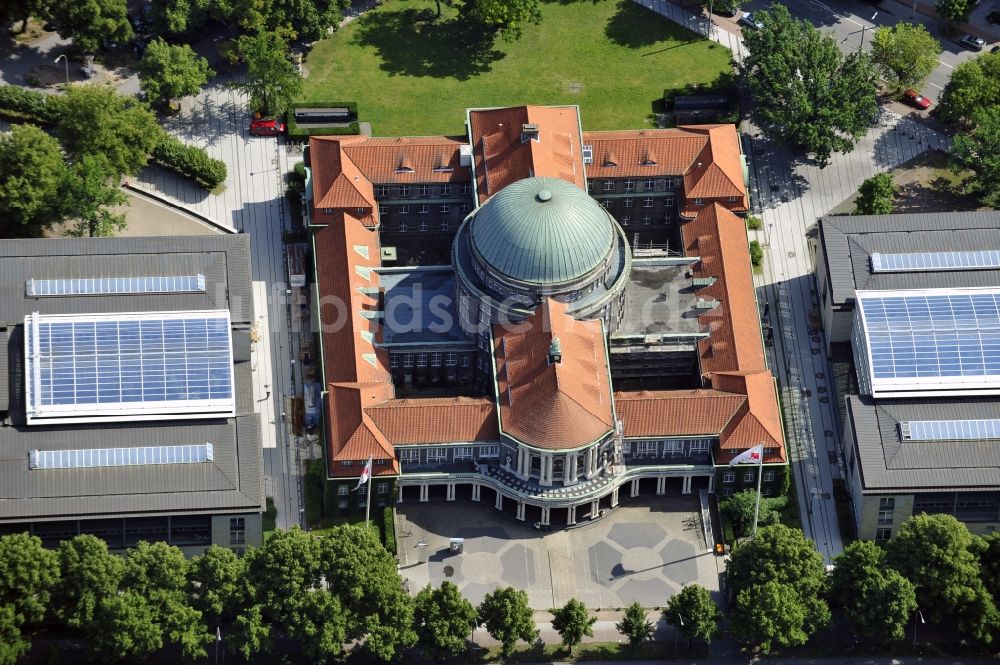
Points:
x=542, y=231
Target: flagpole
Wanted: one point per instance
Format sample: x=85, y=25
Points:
x=756, y=507
x=368, y=503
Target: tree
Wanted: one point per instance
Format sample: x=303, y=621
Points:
x=876, y=599
x=693, y=612
x=167, y=71
x=805, y=91
x=979, y=149
x=87, y=191
x=178, y=17
x=219, y=586
x=740, y=507
x=308, y=20
x=989, y=563
x=96, y=119
x=28, y=573
x=573, y=622
x=934, y=552
x=92, y=23
x=125, y=628
x=504, y=16
x=875, y=196
x=89, y=574
x=443, y=621
x=953, y=10
x=20, y=10
x=635, y=626
x=770, y=615
x=905, y=54
x=507, y=617
x=12, y=643
x=272, y=81
x=364, y=577
x=31, y=168
x=974, y=86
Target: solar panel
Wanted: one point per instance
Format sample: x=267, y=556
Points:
x=115, y=285
x=137, y=366
x=918, y=261
x=95, y=457
x=948, y=430
x=935, y=341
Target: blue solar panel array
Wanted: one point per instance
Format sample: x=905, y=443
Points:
x=129, y=361
x=933, y=335
x=945, y=430
x=94, y=457
x=916, y=261
x=115, y=285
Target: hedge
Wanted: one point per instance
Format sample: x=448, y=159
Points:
x=18, y=103
x=756, y=253
x=389, y=529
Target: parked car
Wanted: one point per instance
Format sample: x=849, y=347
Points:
x=973, y=42
x=749, y=21
x=914, y=98
x=267, y=127
x=50, y=26
x=995, y=49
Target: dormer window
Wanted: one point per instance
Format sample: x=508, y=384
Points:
x=404, y=169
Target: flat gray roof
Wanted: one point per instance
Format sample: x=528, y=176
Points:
x=231, y=482
x=849, y=241
x=660, y=299
x=888, y=463
x=419, y=307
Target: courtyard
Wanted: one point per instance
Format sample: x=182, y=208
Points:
x=644, y=551
x=413, y=74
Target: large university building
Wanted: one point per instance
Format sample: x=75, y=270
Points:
x=125, y=402
x=540, y=318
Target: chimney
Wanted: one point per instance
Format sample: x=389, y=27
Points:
x=529, y=131
x=555, y=351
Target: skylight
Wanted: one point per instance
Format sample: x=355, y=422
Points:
x=101, y=457
x=949, y=430
x=926, y=261
x=36, y=288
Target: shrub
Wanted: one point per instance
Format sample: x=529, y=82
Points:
x=754, y=223
x=389, y=529
x=189, y=161
x=756, y=254
x=22, y=104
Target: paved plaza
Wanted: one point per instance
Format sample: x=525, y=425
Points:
x=645, y=551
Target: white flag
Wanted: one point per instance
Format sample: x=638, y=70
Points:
x=366, y=474
x=753, y=456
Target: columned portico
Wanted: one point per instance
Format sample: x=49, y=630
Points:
x=499, y=501
x=661, y=486
x=569, y=469
x=571, y=516
x=686, y=488
x=450, y=496
x=476, y=487
x=520, y=510
x=424, y=493
x=595, y=509
x=614, y=497
x=634, y=489
x=546, y=515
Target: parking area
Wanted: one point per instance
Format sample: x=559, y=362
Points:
x=644, y=551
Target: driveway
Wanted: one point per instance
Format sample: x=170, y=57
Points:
x=643, y=551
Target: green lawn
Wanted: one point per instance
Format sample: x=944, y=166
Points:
x=412, y=74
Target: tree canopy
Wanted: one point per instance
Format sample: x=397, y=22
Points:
x=905, y=53
x=974, y=86
x=31, y=170
x=169, y=71
x=805, y=91
x=507, y=17
x=219, y=587
x=877, y=600
x=443, y=621
x=875, y=196
x=935, y=553
x=89, y=574
x=28, y=573
x=89, y=188
x=693, y=612
x=91, y=23
x=770, y=615
x=634, y=625
x=740, y=507
x=953, y=10
x=508, y=618
x=272, y=81
x=573, y=622
x=979, y=149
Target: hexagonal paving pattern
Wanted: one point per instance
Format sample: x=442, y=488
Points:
x=518, y=566
x=679, y=559
x=652, y=592
x=637, y=534
x=603, y=560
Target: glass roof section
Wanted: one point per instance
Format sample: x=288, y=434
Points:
x=162, y=365
x=949, y=430
x=921, y=261
x=928, y=342
x=100, y=457
x=36, y=288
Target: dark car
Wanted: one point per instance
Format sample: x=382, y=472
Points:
x=267, y=127
x=749, y=21
x=138, y=24
x=914, y=98
x=51, y=26
x=973, y=42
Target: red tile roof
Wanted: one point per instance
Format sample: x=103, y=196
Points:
x=676, y=412
x=504, y=156
x=338, y=184
x=425, y=159
x=558, y=405
x=436, y=420
x=351, y=434
x=757, y=420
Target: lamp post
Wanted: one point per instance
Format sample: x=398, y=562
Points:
x=863, y=28
x=919, y=614
x=677, y=633
x=66, y=60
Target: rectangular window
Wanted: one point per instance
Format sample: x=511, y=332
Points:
x=673, y=448
x=887, y=503
x=629, y=203
x=629, y=185
x=465, y=188
x=424, y=226
x=626, y=220
x=450, y=359
x=421, y=360
x=727, y=491
x=647, y=220
x=403, y=227
x=404, y=190
x=882, y=535
x=383, y=488
x=885, y=518
x=394, y=361
x=328, y=211
x=383, y=211
x=646, y=449
x=409, y=455
x=649, y=184
x=607, y=204
x=435, y=360
x=360, y=212
x=404, y=210
x=342, y=490
x=489, y=451
x=768, y=476
x=647, y=202
x=748, y=476
x=463, y=452
x=668, y=201
x=382, y=190
x=609, y=185
x=590, y=186
x=445, y=190
x=437, y=455
x=465, y=360
x=700, y=447
x=729, y=477
x=407, y=360
x=342, y=505
x=424, y=208
x=445, y=207
x=362, y=501
x=425, y=190
x=697, y=202
x=237, y=531
x=466, y=208
x=670, y=182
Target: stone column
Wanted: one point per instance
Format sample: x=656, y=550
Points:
x=686, y=487
x=569, y=469
x=634, y=489
x=595, y=509
x=424, y=493
x=400, y=488
x=614, y=497
x=711, y=483
x=546, y=514
x=545, y=470
x=475, y=491
x=571, y=516
x=451, y=492
x=588, y=462
x=499, y=503
x=661, y=485
x=520, y=510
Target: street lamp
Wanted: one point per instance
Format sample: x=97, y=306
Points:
x=921, y=615
x=677, y=632
x=66, y=60
x=863, y=28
